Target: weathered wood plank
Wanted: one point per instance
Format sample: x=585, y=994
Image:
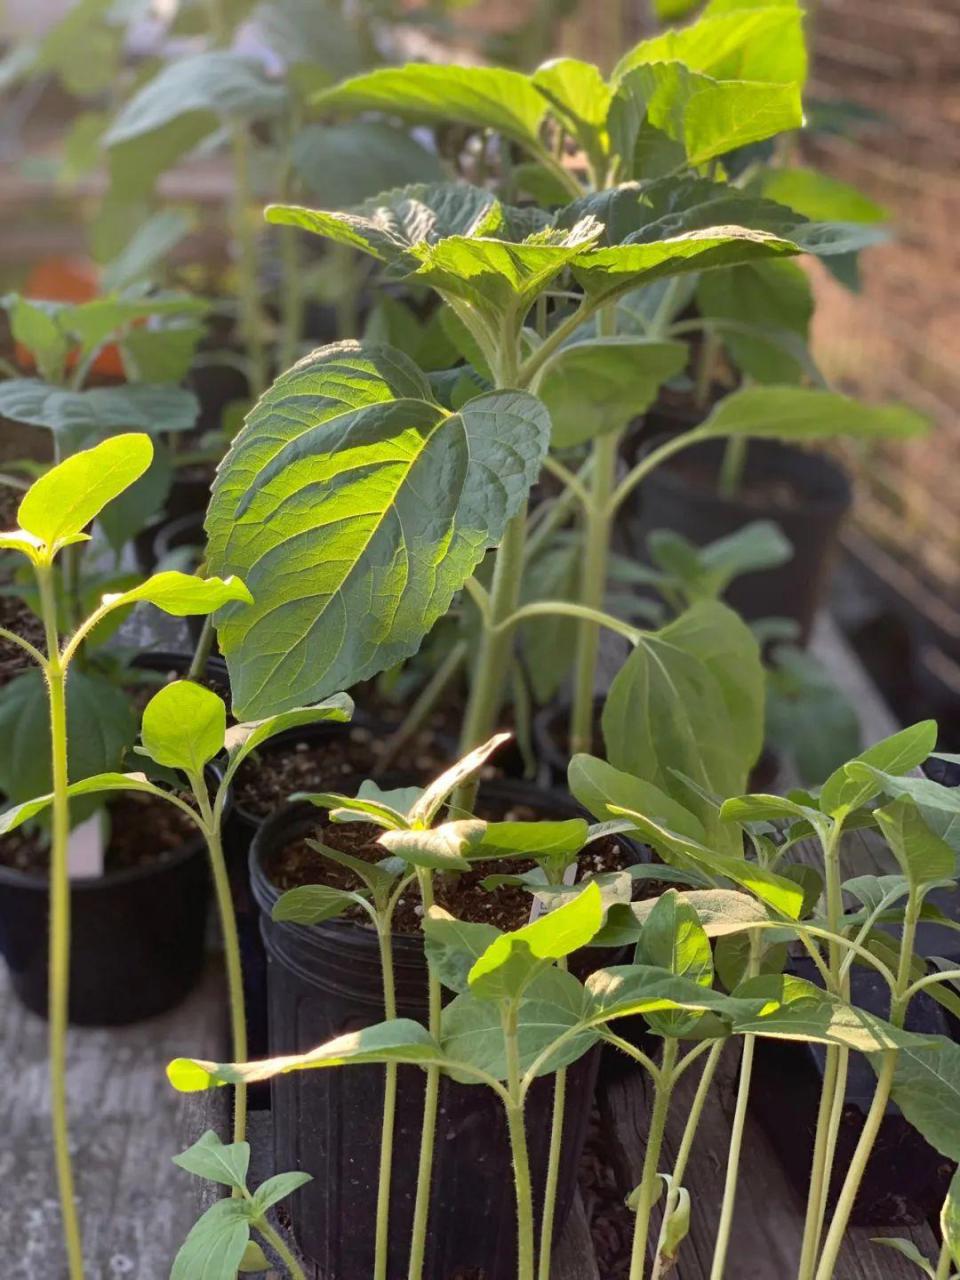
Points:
x=126, y=1123
x=768, y=1219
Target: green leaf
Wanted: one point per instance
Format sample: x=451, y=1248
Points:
x=429, y=803
x=769, y=298
x=764, y=808
x=908, y=1249
x=897, y=754
x=923, y=857
x=552, y=573
x=798, y=1010
x=184, y=726
x=926, y=1088
x=183, y=594
x=17, y=814
x=720, y=912
x=313, y=903
x=709, y=116
x=580, y=97
x=809, y=719
x=556, y=842
x=242, y=739
x=388, y=225
x=377, y=877
x=760, y=544
x=216, y=1244
x=481, y=97
x=472, y=1032
x=349, y=163
x=34, y=325
x=398, y=1041
x=453, y=946
x=778, y=891
x=622, y=991
x=64, y=500
x=939, y=805
x=689, y=700
x=254, y=1259
x=441, y=848
x=514, y=959
x=179, y=106
x=950, y=1218
x=819, y=196
x=277, y=1188
x=595, y=387
x=673, y=938
x=217, y=1161
x=84, y=416
x=147, y=248
x=102, y=318
x=756, y=43
x=598, y=786
x=319, y=507
x=803, y=413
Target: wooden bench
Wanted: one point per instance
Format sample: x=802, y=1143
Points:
x=126, y=1123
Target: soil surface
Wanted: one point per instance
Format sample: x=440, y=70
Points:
x=144, y=831
x=460, y=893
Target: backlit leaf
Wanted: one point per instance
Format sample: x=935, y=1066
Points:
x=183, y=594
x=215, y=1245
x=805, y=413
x=184, y=726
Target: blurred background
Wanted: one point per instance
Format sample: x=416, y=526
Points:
x=883, y=113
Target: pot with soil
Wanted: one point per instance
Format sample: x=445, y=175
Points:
x=137, y=941
x=806, y=494
x=326, y=980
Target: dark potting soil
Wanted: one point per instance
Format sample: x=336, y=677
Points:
x=15, y=615
x=610, y=1222
x=144, y=831
x=460, y=893
x=144, y=682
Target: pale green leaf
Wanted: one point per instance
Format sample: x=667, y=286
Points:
x=215, y=1245
x=183, y=726
x=598, y=785
x=15, y=816
x=81, y=416
x=147, y=248
x=820, y=196
x=64, y=500
x=798, y=1010
x=254, y=1259
x=805, y=413
x=429, y=803
x=398, y=1041
x=313, y=903
x=319, y=507
x=581, y=98
x=182, y=594
x=453, y=946
x=34, y=325
x=243, y=738
x=441, y=848
x=277, y=1188
x=673, y=938
x=923, y=857
x=346, y=164
x=216, y=1161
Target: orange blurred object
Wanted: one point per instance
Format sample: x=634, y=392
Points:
x=62, y=279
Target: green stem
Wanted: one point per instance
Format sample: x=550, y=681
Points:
x=663, y=1088
x=650, y=463
x=731, y=468
x=198, y=663
x=706, y=363
x=566, y=609
x=593, y=583
x=553, y=1173
x=280, y=1248
x=733, y=1161
x=421, y=1210
x=944, y=1263
x=58, y=995
x=291, y=300
x=518, y=1145
x=231, y=943
x=389, y=1109
x=247, y=258
x=686, y=1147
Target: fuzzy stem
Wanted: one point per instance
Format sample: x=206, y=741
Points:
x=280, y=1248
x=553, y=1168
x=389, y=1110
x=663, y=1088
x=198, y=663
x=421, y=1210
x=211, y=816
x=733, y=1161
x=944, y=1263
x=518, y=1146
x=58, y=994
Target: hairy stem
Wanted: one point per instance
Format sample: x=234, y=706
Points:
x=389, y=1108
x=663, y=1088
x=421, y=1210
x=277, y=1243
x=58, y=994
x=733, y=1161
x=518, y=1146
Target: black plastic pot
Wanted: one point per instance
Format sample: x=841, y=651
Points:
x=905, y=1179
x=668, y=500
x=137, y=937
x=324, y=981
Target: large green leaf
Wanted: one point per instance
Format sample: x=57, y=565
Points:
x=321, y=507
x=689, y=701
x=762, y=43
x=938, y=805
x=481, y=97
x=64, y=500
x=798, y=1010
x=453, y=946
x=398, y=1041
x=598, y=386
x=624, y=990
x=926, y=1088
x=348, y=163
x=819, y=196
x=709, y=117
x=182, y=594
x=673, y=938
x=85, y=415
x=598, y=785
x=216, y=1243
x=770, y=298
x=923, y=857
x=805, y=413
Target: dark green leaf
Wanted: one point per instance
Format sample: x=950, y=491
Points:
x=346, y=164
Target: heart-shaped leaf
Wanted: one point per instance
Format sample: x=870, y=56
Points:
x=184, y=726
x=319, y=508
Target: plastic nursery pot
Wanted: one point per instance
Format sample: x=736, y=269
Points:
x=137, y=935
x=324, y=981
x=239, y=831
x=188, y=498
x=806, y=494
x=906, y=1179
